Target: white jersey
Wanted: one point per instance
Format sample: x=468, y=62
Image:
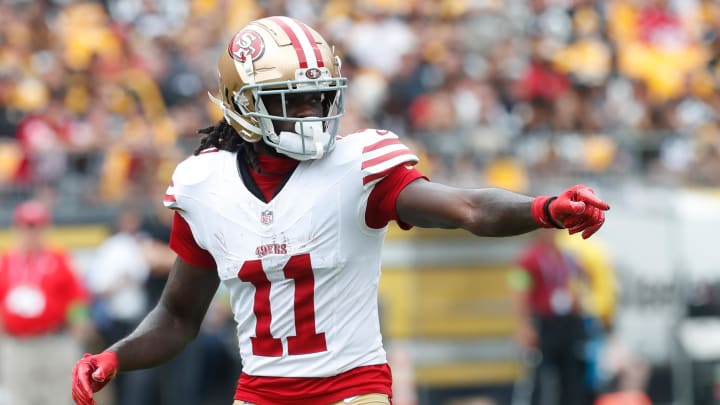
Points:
x=303, y=269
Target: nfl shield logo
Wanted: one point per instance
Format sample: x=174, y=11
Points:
x=266, y=217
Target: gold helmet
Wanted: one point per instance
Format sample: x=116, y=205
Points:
x=280, y=56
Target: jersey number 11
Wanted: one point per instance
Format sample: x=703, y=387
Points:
x=307, y=340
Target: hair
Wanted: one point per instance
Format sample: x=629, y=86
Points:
x=224, y=137
x=221, y=135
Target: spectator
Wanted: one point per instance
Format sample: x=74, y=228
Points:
x=550, y=321
x=43, y=313
x=183, y=380
x=117, y=280
x=42, y=137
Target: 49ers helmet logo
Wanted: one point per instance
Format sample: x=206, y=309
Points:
x=312, y=73
x=246, y=43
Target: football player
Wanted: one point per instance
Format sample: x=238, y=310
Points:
x=291, y=218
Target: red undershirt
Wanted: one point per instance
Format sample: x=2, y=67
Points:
x=362, y=380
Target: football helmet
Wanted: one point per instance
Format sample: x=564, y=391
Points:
x=279, y=56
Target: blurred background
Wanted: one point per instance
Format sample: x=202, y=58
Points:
x=100, y=99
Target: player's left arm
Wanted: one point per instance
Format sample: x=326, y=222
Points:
x=498, y=212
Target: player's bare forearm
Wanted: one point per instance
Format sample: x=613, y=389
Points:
x=173, y=323
x=157, y=339
x=484, y=212
x=499, y=212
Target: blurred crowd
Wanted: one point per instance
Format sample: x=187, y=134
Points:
x=99, y=99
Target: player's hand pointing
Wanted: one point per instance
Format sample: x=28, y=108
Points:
x=577, y=209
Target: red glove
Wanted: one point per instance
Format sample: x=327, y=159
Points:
x=91, y=374
x=576, y=209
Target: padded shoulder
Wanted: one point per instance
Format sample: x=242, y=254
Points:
x=197, y=168
x=368, y=136
x=381, y=151
x=193, y=171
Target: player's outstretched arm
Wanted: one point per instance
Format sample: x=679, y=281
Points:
x=498, y=212
x=164, y=332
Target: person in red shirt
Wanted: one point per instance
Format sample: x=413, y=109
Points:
x=551, y=326
x=291, y=217
x=43, y=312
x=44, y=138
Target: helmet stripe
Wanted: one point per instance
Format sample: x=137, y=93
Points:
x=294, y=39
x=303, y=46
x=313, y=44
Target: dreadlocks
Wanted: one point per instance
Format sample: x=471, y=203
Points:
x=223, y=136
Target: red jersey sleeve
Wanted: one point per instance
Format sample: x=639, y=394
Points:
x=183, y=243
x=381, y=202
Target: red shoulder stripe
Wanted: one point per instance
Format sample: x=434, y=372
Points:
x=380, y=144
x=383, y=158
x=370, y=177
